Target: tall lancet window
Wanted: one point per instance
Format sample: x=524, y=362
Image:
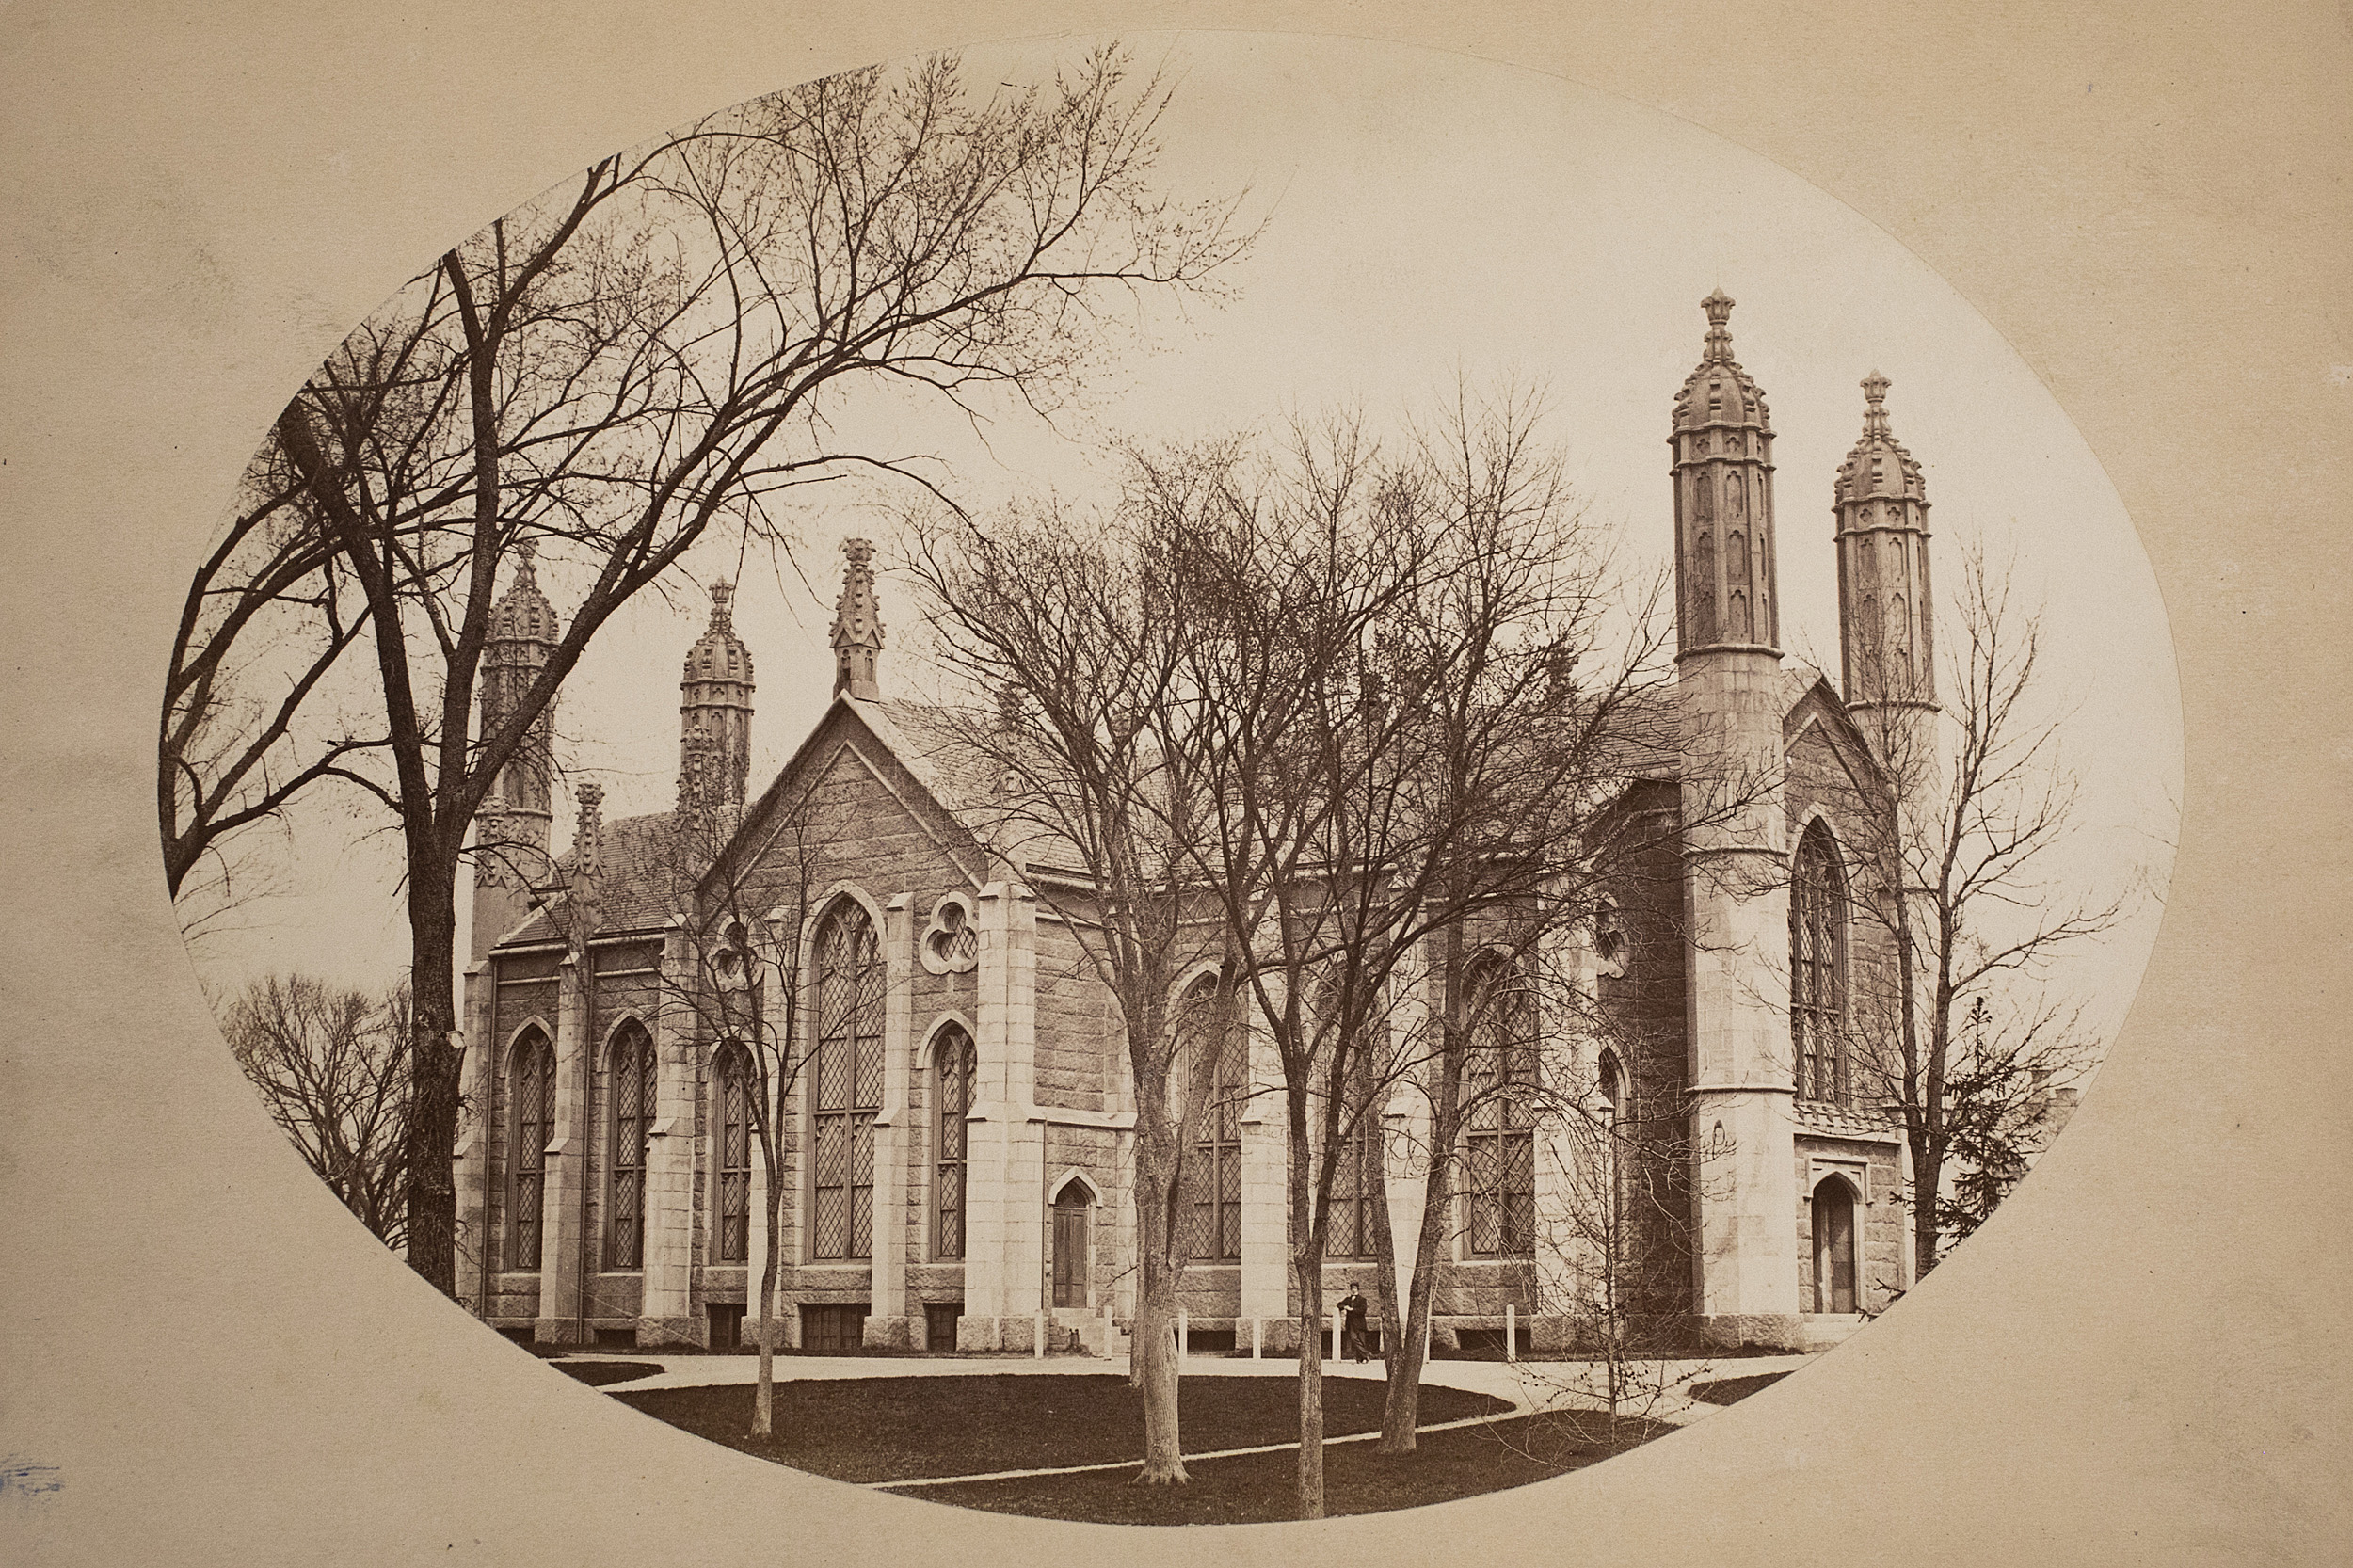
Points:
x=848, y=1083
x=1356, y=1184
x=631, y=1084
x=1498, y=1088
x=1818, y=941
x=1214, y=1173
x=735, y=1153
x=954, y=1067
x=531, y=1075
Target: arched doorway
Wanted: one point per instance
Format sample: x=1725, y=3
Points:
x=1833, y=1246
x=1074, y=1208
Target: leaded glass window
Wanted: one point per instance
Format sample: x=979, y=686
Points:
x=1816, y=977
x=1498, y=1090
x=631, y=1083
x=532, y=1075
x=954, y=1070
x=735, y=1154
x=848, y=1083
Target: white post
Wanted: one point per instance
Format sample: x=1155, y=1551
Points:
x=1510, y=1332
x=1184, y=1337
x=1037, y=1337
x=1336, y=1315
x=1426, y=1323
x=1257, y=1326
x=1111, y=1330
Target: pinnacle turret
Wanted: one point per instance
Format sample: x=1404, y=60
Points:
x=1722, y=443
x=857, y=628
x=1885, y=629
x=512, y=827
x=716, y=699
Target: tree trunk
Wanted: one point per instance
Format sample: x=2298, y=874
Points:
x=1154, y=1360
x=1384, y=1284
x=1402, y=1412
x=764, y=1393
x=1928, y=1175
x=434, y=1088
x=1153, y=1363
x=1307, y=1251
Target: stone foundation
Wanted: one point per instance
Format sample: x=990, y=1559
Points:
x=655, y=1332
x=894, y=1334
x=1771, y=1330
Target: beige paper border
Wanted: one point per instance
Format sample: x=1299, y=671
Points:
x=2141, y=1361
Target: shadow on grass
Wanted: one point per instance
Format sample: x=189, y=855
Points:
x=595, y=1374
x=1733, y=1390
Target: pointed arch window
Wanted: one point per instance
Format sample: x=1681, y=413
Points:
x=735, y=1153
x=631, y=1079
x=1818, y=952
x=1215, y=1174
x=1498, y=1089
x=848, y=1082
x=532, y=1074
x=955, y=1065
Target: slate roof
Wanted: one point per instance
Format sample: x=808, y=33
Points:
x=639, y=884
x=641, y=880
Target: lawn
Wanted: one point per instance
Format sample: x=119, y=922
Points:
x=904, y=1429
x=1257, y=1488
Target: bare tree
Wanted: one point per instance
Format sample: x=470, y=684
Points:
x=332, y=1068
x=1082, y=634
x=1422, y=722
x=268, y=616
x=611, y=375
x=1961, y=1036
x=1617, y=1227
x=743, y=981
x=1299, y=714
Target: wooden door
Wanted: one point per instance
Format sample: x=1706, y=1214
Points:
x=1834, y=1247
x=1071, y=1252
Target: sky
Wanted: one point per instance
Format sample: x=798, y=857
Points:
x=1428, y=217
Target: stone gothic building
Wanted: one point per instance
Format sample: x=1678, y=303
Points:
x=958, y=1154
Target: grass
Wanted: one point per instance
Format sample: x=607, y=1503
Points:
x=1467, y=1462
x=901, y=1429
x=905, y=1428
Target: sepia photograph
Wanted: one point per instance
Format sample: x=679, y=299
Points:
x=1509, y=786
x=1243, y=905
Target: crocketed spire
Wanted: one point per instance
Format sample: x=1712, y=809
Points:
x=1718, y=391
x=525, y=614
x=857, y=628
x=1878, y=467
x=719, y=654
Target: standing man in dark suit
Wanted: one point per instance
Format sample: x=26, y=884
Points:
x=1353, y=1317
